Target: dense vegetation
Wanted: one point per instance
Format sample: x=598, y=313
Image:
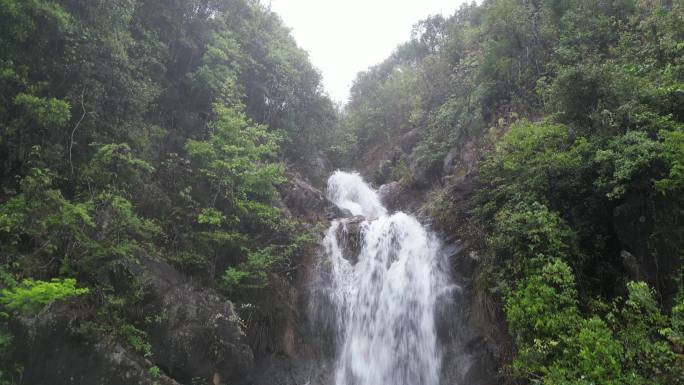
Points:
x=164, y=129
x=158, y=128
x=576, y=111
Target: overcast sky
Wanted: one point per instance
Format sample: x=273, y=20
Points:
x=345, y=37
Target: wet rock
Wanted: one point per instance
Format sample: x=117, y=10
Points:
x=399, y=196
x=483, y=368
x=389, y=193
x=466, y=333
x=334, y=212
x=305, y=369
x=384, y=171
x=193, y=332
x=350, y=237
x=462, y=261
x=307, y=202
x=302, y=199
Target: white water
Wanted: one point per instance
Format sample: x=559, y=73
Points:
x=384, y=305
x=349, y=191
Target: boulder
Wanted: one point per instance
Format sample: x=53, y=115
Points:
x=57, y=347
x=334, y=212
x=389, y=193
x=400, y=196
x=460, y=160
x=305, y=369
x=301, y=198
x=631, y=265
x=386, y=168
x=350, y=237
x=425, y=173
x=316, y=168
x=195, y=332
x=409, y=140
x=306, y=201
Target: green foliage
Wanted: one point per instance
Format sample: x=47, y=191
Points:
x=216, y=78
x=31, y=296
x=555, y=343
x=542, y=313
x=211, y=217
x=135, y=338
x=646, y=353
x=601, y=83
x=46, y=112
x=673, y=153
x=150, y=128
x=624, y=158
x=592, y=356
x=253, y=272
x=40, y=215
x=114, y=167
x=529, y=234
x=675, y=334
x=154, y=372
x=237, y=162
x=533, y=161
x=556, y=340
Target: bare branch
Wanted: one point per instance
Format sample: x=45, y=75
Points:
x=71, y=142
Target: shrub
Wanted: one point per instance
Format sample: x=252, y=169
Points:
x=30, y=296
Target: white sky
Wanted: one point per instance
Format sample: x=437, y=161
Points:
x=346, y=37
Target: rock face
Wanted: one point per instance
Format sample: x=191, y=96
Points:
x=473, y=334
x=460, y=160
x=307, y=202
x=301, y=198
x=350, y=237
x=647, y=225
x=197, y=334
x=465, y=330
x=194, y=334
x=401, y=196
x=302, y=369
x=409, y=140
x=304, y=358
x=317, y=168
x=425, y=173
x=57, y=351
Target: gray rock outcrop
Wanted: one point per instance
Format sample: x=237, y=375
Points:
x=198, y=334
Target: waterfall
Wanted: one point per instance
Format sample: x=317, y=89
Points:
x=383, y=276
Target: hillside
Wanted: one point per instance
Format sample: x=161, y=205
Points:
x=163, y=198
x=146, y=148
x=547, y=136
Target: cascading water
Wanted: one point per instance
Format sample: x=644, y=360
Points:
x=383, y=290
